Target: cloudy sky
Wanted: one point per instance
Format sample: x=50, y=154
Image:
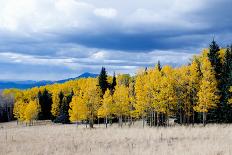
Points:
x=57, y=39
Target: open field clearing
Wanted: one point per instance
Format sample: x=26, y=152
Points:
x=70, y=139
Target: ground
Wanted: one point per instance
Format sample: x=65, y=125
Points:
x=49, y=138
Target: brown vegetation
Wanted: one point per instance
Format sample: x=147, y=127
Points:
x=48, y=138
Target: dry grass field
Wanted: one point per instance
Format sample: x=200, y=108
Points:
x=69, y=139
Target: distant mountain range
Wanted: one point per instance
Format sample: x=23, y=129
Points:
x=30, y=83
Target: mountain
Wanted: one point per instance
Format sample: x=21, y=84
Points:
x=84, y=75
x=29, y=83
x=22, y=84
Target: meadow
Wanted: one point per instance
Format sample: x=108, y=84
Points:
x=49, y=138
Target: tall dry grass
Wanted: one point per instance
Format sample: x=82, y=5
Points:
x=69, y=139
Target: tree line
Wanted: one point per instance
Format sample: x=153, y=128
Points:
x=6, y=107
x=198, y=92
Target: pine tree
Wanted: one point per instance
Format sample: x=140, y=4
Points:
x=216, y=115
x=214, y=58
x=45, y=102
x=158, y=66
x=230, y=100
x=113, y=84
x=225, y=86
x=102, y=81
x=61, y=97
x=64, y=108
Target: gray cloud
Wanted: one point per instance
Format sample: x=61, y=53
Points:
x=67, y=37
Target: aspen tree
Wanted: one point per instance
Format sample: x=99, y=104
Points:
x=208, y=93
x=152, y=89
x=106, y=109
x=19, y=109
x=194, y=80
x=92, y=99
x=31, y=111
x=140, y=95
x=55, y=102
x=132, y=100
x=78, y=109
x=167, y=97
x=121, y=99
x=183, y=91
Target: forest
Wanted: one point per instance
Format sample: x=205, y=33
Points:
x=199, y=92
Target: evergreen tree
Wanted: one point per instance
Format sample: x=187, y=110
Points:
x=61, y=97
x=214, y=58
x=225, y=86
x=64, y=108
x=227, y=69
x=158, y=66
x=102, y=81
x=230, y=99
x=45, y=101
x=215, y=115
x=114, y=83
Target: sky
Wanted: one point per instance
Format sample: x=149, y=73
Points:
x=58, y=39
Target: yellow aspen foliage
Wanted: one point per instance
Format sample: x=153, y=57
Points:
x=121, y=101
x=33, y=93
x=151, y=78
x=19, y=109
x=92, y=99
x=147, y=88
x=208, y=93
x=195, y=75
x=153, y=87
x=106, y=108
x=55, y=102
x=184, y=91
x=222, y=53
x=31, y=111
x=12, y=92
x=194, y=82
x=88, y=97
x=78, y=109
x=132, y=99
x=109, y=79
x=140, y=96
x=166, y=98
